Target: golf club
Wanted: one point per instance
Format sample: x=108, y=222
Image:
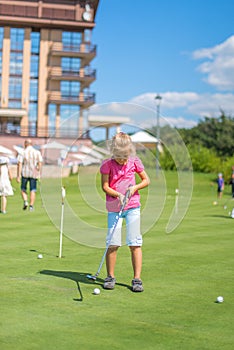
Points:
x=127, y=194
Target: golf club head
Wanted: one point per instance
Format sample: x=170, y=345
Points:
x=90, y=277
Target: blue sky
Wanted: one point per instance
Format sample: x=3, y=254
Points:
x=181, y=49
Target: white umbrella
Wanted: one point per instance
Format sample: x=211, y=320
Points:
x=143, y=137
x=101, y=150
x=86, y=159
x=18, y=149
x=6, y=151
x=54, y=145
x=89, y=150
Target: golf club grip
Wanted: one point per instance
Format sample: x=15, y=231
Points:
x=127, y=195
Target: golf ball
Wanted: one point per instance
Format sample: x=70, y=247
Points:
x=219, y=299
x=96, y=291
x=215, y=203
x=40, y=256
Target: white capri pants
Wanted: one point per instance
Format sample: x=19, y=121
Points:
x=133, y=229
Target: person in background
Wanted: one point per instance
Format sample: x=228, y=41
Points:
x=118, y=176
x=231, y=182
x=5, y=183
x=29, y=169
x=220, y=182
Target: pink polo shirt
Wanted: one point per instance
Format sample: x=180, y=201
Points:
x=120, y=178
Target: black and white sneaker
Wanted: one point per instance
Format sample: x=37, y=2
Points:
x=137, y=285
x=109, y=283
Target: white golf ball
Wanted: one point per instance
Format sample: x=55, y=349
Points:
x=40, y=256
x=96, y=291
x=219, y=299
x=177, y=191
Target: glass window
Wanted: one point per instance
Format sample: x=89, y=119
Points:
x=14, y=103
x=16, y=63
x=70, y=64
x=71, y=40
x=70, y=88
x=32, y=118
x=52, y=116
x=34, y=65
x=69, y=116
x=1, y=37
x=15, y=88
x=33, y=90
x=35, y=42
x=17, y=39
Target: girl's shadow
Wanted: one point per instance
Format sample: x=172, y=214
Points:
x=78, y=277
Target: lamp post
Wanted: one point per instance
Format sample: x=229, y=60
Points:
x=158, y=99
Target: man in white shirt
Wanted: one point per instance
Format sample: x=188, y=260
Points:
x=29, y=169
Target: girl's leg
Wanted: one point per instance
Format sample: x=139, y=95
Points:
x=111, y=256
x=136, y=254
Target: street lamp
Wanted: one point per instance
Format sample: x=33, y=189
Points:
x=158, y=99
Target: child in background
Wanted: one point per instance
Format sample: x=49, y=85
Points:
x=5, y=183
x=118, y=175
x=220, y=188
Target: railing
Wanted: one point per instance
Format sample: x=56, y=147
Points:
x=50, y=132
x=82, y=48
x=56, y=96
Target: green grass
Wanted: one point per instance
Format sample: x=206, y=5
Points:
x=48, y=303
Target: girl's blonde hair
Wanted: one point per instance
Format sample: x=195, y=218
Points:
x=122, y=146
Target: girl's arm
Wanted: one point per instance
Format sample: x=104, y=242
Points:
x=106, y=188
x=145, y=181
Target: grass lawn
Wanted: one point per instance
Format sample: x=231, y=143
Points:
x=49, y=303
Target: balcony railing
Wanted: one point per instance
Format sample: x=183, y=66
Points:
x=84, y=99
x=50, y=132
x=83, y=48
x=86, y=77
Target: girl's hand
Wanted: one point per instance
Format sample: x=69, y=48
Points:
x=121, y=198
x=132, y=190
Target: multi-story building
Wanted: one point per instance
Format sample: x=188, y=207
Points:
x=45, y=66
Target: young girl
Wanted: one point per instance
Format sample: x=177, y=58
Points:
x=118, y=174
x=5, y=184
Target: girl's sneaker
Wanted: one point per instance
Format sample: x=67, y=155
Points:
x=109, y=282
x=137, y=285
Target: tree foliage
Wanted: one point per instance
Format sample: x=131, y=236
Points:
x=216, y=134
x=210, y=145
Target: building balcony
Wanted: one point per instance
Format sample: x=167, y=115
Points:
x=85, y=78
x=85, y=51
x=85, y=100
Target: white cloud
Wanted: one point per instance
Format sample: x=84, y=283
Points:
x=218, y=65
x=178, y=109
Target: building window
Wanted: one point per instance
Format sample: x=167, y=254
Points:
x=1, y=37
x=35, y=43
x=69, y=116
x=33, y=90
x=34, y=66
x=16, y=63
x=32, y=119
x=52, y=118
x=70, y=65
x=71, y=40
x=15, y=88
x=70, y=88
x=17, y=39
